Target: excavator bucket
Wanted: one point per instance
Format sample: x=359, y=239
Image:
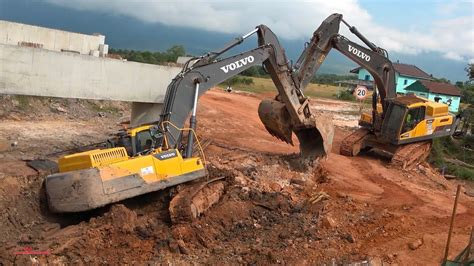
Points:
x=276, y=119
x=315, y=137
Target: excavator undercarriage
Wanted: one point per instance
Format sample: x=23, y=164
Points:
x=403, y=156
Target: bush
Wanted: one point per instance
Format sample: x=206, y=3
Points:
x=452, y=148
x=345, y=95
x=170, y=55
x=236, y=80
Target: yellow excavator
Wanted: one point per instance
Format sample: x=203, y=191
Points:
x=163, y=154
x=403, y=126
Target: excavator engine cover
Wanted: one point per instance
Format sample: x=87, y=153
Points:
x=315, y=136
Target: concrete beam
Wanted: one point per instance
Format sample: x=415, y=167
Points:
x=39, y=72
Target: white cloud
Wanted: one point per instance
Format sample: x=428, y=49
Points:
x=453, y=56
x=454, y=38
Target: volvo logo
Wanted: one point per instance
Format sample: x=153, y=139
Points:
x=238, y=64
x=359, y=53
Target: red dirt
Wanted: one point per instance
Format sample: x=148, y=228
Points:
x=346, y=210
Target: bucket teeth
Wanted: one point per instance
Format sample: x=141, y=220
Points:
x=280, y=136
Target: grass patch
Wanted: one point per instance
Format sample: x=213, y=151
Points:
x=23, y=101
x=265, y=85
x=98, y=106
x=448, y=147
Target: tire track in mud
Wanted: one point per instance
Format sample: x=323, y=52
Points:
x=393, y=194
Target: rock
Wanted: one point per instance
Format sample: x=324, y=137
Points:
x=173, y=246
x=60, y=109
x=275, y=186
x=297, y=181
x=376, y=261
x=284, y=234
x=182, y=247
x=328, y=222
x=349, y=237
x=415, y=244
x=14, y=144
x=218, y=250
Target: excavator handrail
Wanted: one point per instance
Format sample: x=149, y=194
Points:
x=188, y=129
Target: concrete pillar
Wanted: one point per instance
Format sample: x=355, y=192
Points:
x=145, y=113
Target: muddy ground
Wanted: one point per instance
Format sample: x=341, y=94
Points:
x=344, y=210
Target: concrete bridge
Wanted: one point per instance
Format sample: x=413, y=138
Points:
x=59, y=69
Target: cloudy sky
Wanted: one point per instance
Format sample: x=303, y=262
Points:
x=408, y=27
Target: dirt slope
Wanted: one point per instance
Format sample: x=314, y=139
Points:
x=345, y=210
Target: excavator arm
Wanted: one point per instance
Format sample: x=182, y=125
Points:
x=374, y=59
x=293, y=115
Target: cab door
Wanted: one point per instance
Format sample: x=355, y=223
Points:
x=393, y=121
x=412, y=119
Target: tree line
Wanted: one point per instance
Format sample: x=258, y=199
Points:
x=330, y=79
x=172, y=54
x=156, y=58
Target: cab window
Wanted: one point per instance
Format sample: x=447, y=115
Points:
x=143, y=141
x=413, y=117
x=126, y=142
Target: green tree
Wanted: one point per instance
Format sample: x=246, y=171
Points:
x=443, y=80
x=170, y=55
x=174, y=52
x=470, y=71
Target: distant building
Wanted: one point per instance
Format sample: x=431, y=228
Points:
x=405, y=75
x=438, y=92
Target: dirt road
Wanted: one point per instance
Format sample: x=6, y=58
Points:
x=345, y=210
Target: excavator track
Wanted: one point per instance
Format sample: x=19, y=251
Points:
x=352, y=144
x=409, y=155
x=194, y=199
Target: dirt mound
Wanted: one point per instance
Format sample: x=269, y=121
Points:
x=20, y=107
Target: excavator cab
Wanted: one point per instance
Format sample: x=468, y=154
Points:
x=134, y=140
x=410, y=119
